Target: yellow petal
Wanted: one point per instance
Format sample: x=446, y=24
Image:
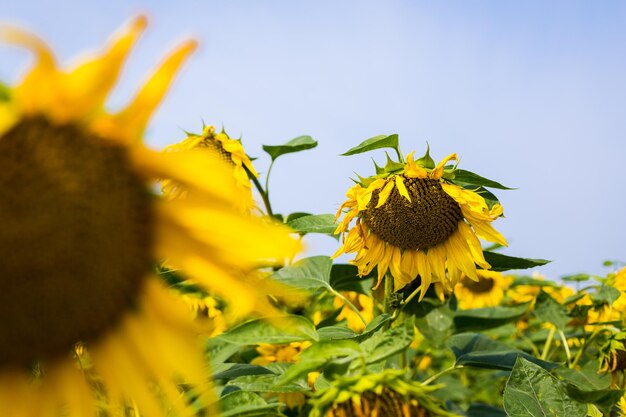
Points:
x=459, y=256
x=437, y=260
x=86, y=87
x=424, y=269
x=412, y=170
x=473, y=243
x=384, y=194
x=438, y=171
x=485, y=231
x=402, y=188
x=383, y=264
x=39, y=89
x=136, y=115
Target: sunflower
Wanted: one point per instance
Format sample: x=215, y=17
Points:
x=488, y=291
x=362, y=302
x=382, y=394
x=229, y=150
x=82, y=234
x=412, y=219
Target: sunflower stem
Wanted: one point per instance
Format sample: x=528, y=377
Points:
x=546, y=346
x=387, y=307
x=580, y=352
x=442, y=373
x=568, y=354
x=264, y=194
x=349, y=304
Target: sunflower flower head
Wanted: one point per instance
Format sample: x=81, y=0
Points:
x=383, y=394
x=613, y=356
x=229, y=150
x=416, y=218
x=488, y=291
x=84, y=232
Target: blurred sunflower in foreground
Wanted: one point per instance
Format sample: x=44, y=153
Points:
x=229, y=150
x=414, y=219
x=82, y=234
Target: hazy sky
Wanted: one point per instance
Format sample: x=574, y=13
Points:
x=532, y=94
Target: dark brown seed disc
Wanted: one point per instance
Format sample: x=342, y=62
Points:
x=427, y=220
x=214, y=145
x=484, y=285
x=76, y=239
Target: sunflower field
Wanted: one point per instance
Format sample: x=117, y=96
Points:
x=163, y=283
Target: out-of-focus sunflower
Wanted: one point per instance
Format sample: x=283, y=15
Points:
x=613, y=357
x=383, y=394
x=229, y=150
x=269, y=353
x=82, y=234
x=362, y=302
x=285, y=353
x=413, y=219
x=488, y=291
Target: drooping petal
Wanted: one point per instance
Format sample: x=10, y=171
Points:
x=402, y=188
x=384, y=194
x=438, y=171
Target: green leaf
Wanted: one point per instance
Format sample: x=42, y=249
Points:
x=314, y=223
x=247, y=404
x=218, y=351
x=531, y=391
x=281, y=329
x=377, y=142
x=373, y=326
x=323, y=354
x=298, y=144
x=335, y=333
x=501, y=262
x=268, y=383
x=5, y=92
x=234, y=370
x=387, y=343
x=426, y=161
x=486, y=318
x=548, y=309
x=391, y=165
x=309, y=273
x=344, y=277
x=526, y=280
x=296, y=215
x=478, y=350
x=605, y=295
x=437, y=325
x=576, y=278
x=340, y=333
x=484, y=410
x=468, y=177
x=588, y=386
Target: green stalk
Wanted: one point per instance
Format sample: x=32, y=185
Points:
x=349, y=304
x=546, y=346
x=568, y=354
x=442, y=373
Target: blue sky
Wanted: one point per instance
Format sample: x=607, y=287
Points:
x=532, y=94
